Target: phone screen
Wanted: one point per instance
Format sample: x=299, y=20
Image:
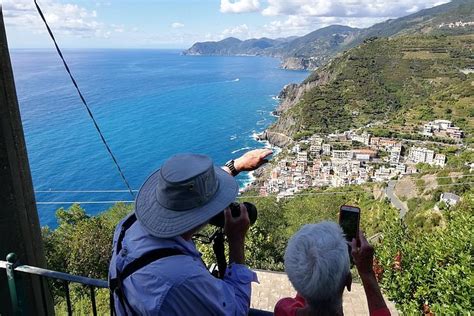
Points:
x=349, y=221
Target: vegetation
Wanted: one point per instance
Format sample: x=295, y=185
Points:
x=430, y=269
x=81, y=245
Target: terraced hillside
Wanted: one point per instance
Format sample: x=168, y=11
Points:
x=401, y=81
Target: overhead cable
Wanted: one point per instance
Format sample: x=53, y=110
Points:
x=134, y=190
x=248, y=196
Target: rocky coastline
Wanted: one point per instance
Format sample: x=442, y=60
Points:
x=299, y=63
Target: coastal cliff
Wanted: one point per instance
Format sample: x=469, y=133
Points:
x=299, y=63
x=275, y=139
x=281, y=132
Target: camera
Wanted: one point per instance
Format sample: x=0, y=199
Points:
x=219, y=219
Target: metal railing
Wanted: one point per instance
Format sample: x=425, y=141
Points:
x=12, y=266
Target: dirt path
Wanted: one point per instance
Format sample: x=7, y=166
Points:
x=405, y=188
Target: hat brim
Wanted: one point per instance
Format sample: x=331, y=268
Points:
x=165, y=223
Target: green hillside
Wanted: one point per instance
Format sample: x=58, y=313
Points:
x=402, y=81
x=429, y=21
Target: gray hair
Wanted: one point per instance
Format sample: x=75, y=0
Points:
x=317, y=263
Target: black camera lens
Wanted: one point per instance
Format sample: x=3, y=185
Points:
x=219, y=219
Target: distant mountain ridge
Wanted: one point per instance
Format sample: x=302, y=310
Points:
x=316, y=48
x=234, y=46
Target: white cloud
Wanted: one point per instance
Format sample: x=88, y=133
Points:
x=177, y=25
x=180, y=39
x=413, y=9
x=63, y=18
x=347, y=8
x=119, y=28
x=240, y=31
x=301, y=25
x=239, y=6
x=299, y=17
x=103, y=4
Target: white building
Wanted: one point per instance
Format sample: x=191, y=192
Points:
x=442, y=128
x=454, y=132
x=382, y=174
x=302, y=156
x=314, y=150
x=342, y=154
x=450, y=199
x=364, y=138
x=401, y=168
x=443, y=124
x=296, y=148
x=282, y=164
x=440, y=160
x=395, y=155
x=427, y=129
x=429, y=156
x=316, y=140
x=423, y=155
x=339, y=181
x=326, y=149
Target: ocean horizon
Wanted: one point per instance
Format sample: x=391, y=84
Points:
x=150, y=104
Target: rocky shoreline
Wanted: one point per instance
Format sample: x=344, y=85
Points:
x=298, y=63
x=275, y=139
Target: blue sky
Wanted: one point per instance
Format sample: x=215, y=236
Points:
x=180, y=23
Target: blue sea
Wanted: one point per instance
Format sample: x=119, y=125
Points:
x=150, y=104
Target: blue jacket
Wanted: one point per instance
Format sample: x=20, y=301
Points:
x=180, y=284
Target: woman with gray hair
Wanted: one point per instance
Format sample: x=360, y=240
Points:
x=317, y=263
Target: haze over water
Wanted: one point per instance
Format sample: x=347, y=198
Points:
x=150, y=104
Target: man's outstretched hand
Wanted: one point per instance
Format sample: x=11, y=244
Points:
x=251, y=160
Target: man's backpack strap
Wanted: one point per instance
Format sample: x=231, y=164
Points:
x=148, y=258
x=115, y=284
x=125, y=226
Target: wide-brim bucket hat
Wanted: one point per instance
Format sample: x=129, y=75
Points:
x=187, y=191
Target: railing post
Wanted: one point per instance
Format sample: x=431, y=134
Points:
x=94, y=307
x=12, y=259
x=68, y=298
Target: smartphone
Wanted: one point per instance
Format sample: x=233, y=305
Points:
x=349, y=218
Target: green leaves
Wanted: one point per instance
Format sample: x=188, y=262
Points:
x=436, y=265
x=81, y=244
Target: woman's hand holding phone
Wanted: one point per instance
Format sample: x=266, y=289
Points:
x=363, y=254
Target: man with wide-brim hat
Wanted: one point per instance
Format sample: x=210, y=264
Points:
x=155, y=267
